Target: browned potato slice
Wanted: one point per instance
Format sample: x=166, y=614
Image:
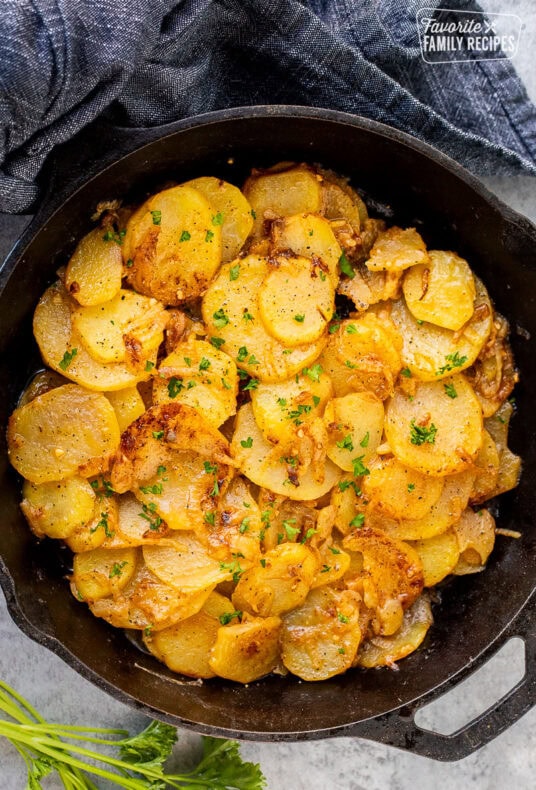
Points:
x=148, y=604
x=439, y=556
x=267, y=466
x=100, y=529
x=509, y=463
x=396, y=249
x=320, y=638
x=246, y=651
x=232, y=212
x=278, y=584
x=475, y=533
x=63, y=350
x=400, y=491
x=363, y=354
x=368, y=288
x=237, y=528
x=487, y=465
x=135, y=527
x=433, y=432
x=173, y=245
x=345, y=498
x=43, y=381
x=57, y=509
x=494, y=373
x=95, y=269
x=431, y=352
x=395, y=570
x=186, y=565
x=442, y=515
x=441, y=291
x=310, y=236
x=355, y=427
x=66, y=431
x=383, y=651
x=103, y=572
x=200, y=375
x=295, y=190
x=128, y=328
x=185, y=647
x=231, y=313
x=284, y=408
x=127, y=404
x=295, y=302
x=334, y=563
x=153, y=440
x=342, y=202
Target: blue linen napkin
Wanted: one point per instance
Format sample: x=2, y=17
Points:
x=148, y=62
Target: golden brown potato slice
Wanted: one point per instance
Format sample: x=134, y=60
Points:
x=66, y=431
x=246, y=651
x=103, y=572
x=363, y=354
x=231, y=210
x=341, y=202
x=57, y=509
x=347, y=503
x=320, y=638
x=237, y=527
x=128, y=328
x=172, y=245
x=400, y=491
x=431, y=352
x=94, y=272
x=127, y=404
x=355, y=426
x=368, y=288
x=186, y=646
x=494, y=374
x=154, y=438
x=309, y=236
x=487, y=465
x=293, y=190
x=200, y=375
x=395, y=570
x=441, y=291
x=279, y=583
x=134, y=526
x=475, y=533
x=433, y=432
x=439, y=556
x=384, y=651
x=509, y=463
x=334, y=563
x=63, y=350
x=185, y=565
x=231, y=313
x=267, y=465
x=295, y=302
x=396, y=249
x=100, y=529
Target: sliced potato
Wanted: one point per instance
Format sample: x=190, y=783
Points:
x=237, y=528
x=509, y=463
x=396, y=249
x=136, y=527
x=66, y=431
x=347, y=503
x=384, y=651
x=63, y=350
x=172, y=245
x=231, y=313
x=433, y=432
x=200, y=375
x=310, y=236
x=441, y=291
x=487, y=464
x=400, y=491
x=246, y=651
x=100, y=529
x=293, y=190
x=438, y=555
x=368, y=288
x=185, y=565
x=94, y=272
x=103, y=572
x=128, y=328
x=431, y=352
x=127, y=404
x=295, y=302
x=334, y=563
x=231, y=210
x=280, y=583
x=475, y=533
x=320, y=638
x=186, y=646
x=355, y=426
x=57, y=509
x=266, y=465
x=343, y=202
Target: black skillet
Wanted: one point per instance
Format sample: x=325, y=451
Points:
x=411, y=183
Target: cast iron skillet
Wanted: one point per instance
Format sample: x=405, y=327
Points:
x=415, y=185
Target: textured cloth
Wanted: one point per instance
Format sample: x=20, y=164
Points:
x=63, y=63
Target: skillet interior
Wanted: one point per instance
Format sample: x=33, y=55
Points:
x=415, y=186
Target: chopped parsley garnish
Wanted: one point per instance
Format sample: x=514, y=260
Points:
x=104, y=524
x=351, y=365
x=225, y=384
x=130, y=263
x=351, y=329
x=233, y=567
x=244, y=525
x=149, y=365
x=299, y=317
x=217, y=342
x=346, y=443
x=253, y=213
x=217, y=219
x=295, y=414
x=158, y=434
x=309, y=534
x=234, y=272
x=117, y=569
x=209, y=235
x=365, y=440
x=325, y=568
x=252, y=384
x=346, y=266
x=150, y=515
x=422, y=434
x=155, y=489
x=411, y=487
x=68, y=358
x=345, y=484
x=342, y=617
x=247, y=316
x=282, y=402
x=359, y=467
x=289, y=529
x=316, y=400
x=334, y=550
x=204, y=364
x=314, y=372
x=247, y=442
x=210, y=518
x=453, y=361
x=220, y=319
x=174, y=386
x=157, y=217
x=226, y=618
x=406, y=372
x=450, y=389
x=333, y=328
x=358, y=520
x=185, y=236
x=210, y=469
x=188, y=361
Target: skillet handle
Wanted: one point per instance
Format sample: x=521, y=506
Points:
x=398, y=728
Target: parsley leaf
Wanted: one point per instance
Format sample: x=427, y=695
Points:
x=346, y=266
